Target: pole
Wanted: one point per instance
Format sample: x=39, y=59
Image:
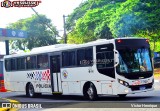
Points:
x=43, y=21
x=7, y=47
x=64, y=26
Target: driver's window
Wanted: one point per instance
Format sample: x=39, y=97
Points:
x=105, y=59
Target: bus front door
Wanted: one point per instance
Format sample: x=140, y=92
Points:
x=55, y=71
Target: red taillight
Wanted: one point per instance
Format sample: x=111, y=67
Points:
x=119, y=41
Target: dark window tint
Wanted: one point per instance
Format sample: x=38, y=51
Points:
x=13, y=64
x=55, y=64
x=105, y=60
x=80, y=56
x=89, y=56
x=71, y=58
x=31, y=62
x=65, y=59
x=85, y=57
x=20, y=63
x=105, y=47
x=42, y=61
x=7, y=65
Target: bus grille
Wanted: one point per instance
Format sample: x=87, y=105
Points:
x=141, y=87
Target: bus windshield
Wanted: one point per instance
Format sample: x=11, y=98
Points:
x=134, y=60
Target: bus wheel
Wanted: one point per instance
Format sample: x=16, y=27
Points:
x=30, y=90
x=90, y=92
x=122, y=95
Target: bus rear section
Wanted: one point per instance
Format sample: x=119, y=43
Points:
x=2, y=87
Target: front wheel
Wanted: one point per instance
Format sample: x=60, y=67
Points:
x=90, y=92
x=30, y=91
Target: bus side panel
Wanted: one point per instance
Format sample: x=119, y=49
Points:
x=75, y=78
x=39, y=78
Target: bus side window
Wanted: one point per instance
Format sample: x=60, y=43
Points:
x=21, y=63
x=105, y=59
x=89, y=56
x=13, y=64
x=42, y=61
x=31, y=62
x=8, y=64
x=80, y=57
x=65, y=59
x=71, y=55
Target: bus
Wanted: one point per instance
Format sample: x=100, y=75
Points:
x=1, y=70
x=104, y=67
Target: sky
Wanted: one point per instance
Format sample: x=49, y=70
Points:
x=53, y=9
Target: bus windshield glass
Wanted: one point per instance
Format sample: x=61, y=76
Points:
x=134, y=60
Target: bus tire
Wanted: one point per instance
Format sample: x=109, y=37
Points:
x=122, y=95
x=90, y=92
x=30, y=90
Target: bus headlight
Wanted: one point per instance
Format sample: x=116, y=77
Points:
x=123, y=83
x=126, y=91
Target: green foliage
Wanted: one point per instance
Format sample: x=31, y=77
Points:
x=116, y=18
x=38, y=33
x=95, y=19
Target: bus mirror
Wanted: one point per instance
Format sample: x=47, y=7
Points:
x=116, y=58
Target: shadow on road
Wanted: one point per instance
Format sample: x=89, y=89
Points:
x=75, y=98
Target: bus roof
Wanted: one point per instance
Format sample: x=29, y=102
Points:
x=62, y=47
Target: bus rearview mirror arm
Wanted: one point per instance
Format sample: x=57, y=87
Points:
x=116, y=58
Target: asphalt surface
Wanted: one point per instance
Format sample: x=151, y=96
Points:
x=72, y=102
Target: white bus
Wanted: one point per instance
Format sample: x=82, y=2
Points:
x=103, y=67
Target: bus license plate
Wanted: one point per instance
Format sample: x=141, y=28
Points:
x=142, y=88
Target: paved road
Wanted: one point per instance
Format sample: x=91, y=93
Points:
x=152, y=97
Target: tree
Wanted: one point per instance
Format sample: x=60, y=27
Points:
x=92, y=21
x=38, y=33
x=137, y=18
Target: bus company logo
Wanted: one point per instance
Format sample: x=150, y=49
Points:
x=20, y=3
x=6, y=4
x=65, y=74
